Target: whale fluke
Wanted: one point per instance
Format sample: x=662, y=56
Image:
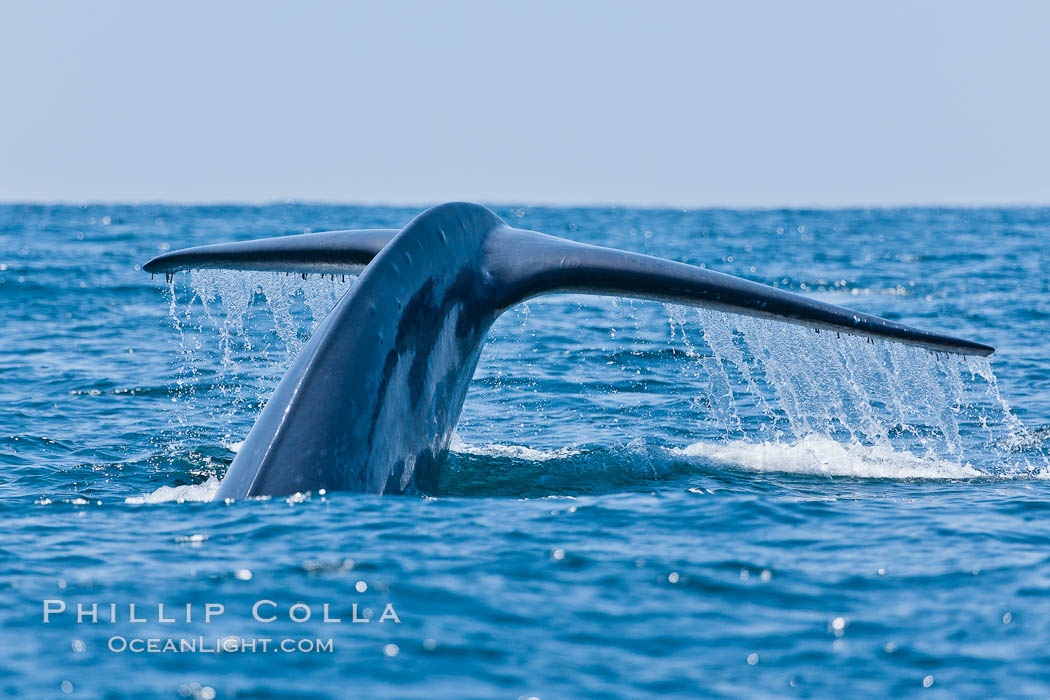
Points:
x=328, y=252
x=529, y=264
x=371, y=401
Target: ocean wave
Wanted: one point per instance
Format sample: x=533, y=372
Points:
x=502, y=469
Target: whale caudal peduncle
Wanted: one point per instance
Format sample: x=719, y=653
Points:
x=372, y=399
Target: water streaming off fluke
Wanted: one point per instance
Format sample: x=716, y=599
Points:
x=764, y=395
x=255, y=322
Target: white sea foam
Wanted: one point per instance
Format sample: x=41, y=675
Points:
x=813, y=454
x=512, y=451
x=821, y=455
x=180, y=494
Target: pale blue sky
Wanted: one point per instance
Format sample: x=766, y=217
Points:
x=688, y=104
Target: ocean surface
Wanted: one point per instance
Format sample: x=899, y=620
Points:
x=641, y=500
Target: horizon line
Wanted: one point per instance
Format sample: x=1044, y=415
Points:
x=498, y=204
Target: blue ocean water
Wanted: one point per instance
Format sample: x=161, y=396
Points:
x=641, y=500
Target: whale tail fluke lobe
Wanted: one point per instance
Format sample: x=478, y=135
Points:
x=329, y=252
x=529, y=264
x=371, y=402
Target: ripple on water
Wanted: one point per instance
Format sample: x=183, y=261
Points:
x=642, y=501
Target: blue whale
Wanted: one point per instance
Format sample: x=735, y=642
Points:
x=371, y=401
